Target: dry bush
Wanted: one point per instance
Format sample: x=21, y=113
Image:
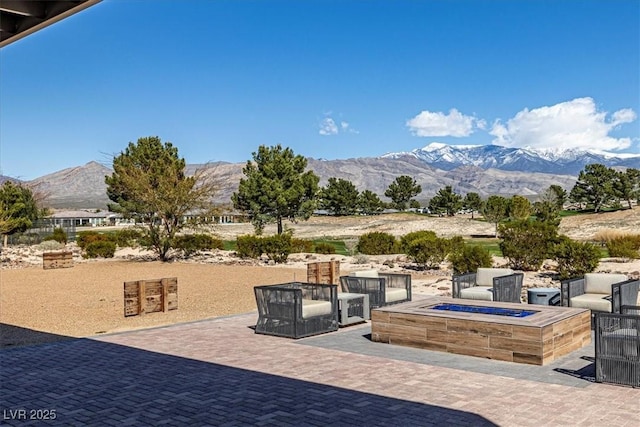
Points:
x=608, y=234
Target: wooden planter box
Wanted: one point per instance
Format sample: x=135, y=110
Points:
x=150, y=296
x=327, y=273
x=62, y=259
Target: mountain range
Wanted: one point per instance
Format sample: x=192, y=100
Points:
x=551, y=161
x=486, y=170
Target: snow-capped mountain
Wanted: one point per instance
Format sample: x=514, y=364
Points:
x=555, y=161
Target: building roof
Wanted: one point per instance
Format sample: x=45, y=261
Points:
x=19, y=18
x=83, y=214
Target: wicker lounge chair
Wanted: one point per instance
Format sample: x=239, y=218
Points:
x=296, y=309
x=382, y=288
x=489, y=284
x=617, y=342
x=594, y=291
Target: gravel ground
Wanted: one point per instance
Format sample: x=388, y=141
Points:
x=88, y=299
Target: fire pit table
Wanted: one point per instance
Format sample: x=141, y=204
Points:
x=511, y=332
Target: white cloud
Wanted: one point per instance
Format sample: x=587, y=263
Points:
x=328, y=127
x=456, y=124
x=572, y=124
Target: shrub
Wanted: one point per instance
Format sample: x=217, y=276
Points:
x=50, y=245
x=58, y=235
x=277, y=247
x=301, y=246
x=526, y=244
x=193, y=243
x=325, y=248
x=249, y=246
x=125, y=237
x=377, y=243
x=575, y=258
x=84, y=238
x=361, y=259
x=626, y=246
x=414, y=235
x=100, y=249
x=469, y=258
x=456, y=244
x=428, y=251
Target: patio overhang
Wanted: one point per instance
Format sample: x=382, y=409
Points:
x=19, y=18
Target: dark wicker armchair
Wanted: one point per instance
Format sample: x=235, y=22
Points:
x=296, y=309
x=489, y=284
x=617, y=337
x=382, y=288
x=594, y=291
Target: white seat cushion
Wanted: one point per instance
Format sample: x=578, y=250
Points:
x=600, y=283
x=365, y=273
x=395, y=294
x=484, y=293
x=484, y=276
x=595, y=302
x=312, y=308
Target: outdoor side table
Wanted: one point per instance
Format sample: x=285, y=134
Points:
x=352, y=308
x=543, y=296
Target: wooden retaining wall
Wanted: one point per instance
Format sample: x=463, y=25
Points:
x=150, y=296
x=60, y=259
x=327, y=272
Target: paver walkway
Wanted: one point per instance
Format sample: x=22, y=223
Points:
x=218, y=372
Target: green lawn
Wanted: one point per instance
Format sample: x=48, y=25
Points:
x=490, y=244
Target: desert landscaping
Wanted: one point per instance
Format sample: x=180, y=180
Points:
x=39, y=305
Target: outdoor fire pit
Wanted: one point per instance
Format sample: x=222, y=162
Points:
x=497, y=311
x=493, y=330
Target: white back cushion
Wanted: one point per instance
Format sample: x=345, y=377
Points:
x=365, y=273
x=600, y=283
x=484, y=276
x=395, y=294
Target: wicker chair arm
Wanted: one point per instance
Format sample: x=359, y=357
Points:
x=630, y=309
x=372, y=286
x=398, y=280
x=624, y=294
x=571, y=288
x=462, y=281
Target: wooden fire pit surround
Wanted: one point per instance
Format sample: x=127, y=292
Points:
x=538, y=339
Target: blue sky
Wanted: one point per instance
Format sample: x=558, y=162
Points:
x=329, y=78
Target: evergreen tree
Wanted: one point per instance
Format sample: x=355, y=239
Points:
x=595, y=186
x=473, y=202
x=446, y=200
x=369, y=203
x=519, y=208
x=18, y=209
x=627, y=185
x=402, y=190
x=560, y=195
x=340, y=197
x=495, y=210
x=276, y=187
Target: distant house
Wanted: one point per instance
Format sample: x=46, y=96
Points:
x=86, y=218
x=231, y=217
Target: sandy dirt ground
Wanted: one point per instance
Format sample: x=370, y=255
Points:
x=38, y=305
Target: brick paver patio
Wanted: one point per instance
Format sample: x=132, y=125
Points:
x=218, y=372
